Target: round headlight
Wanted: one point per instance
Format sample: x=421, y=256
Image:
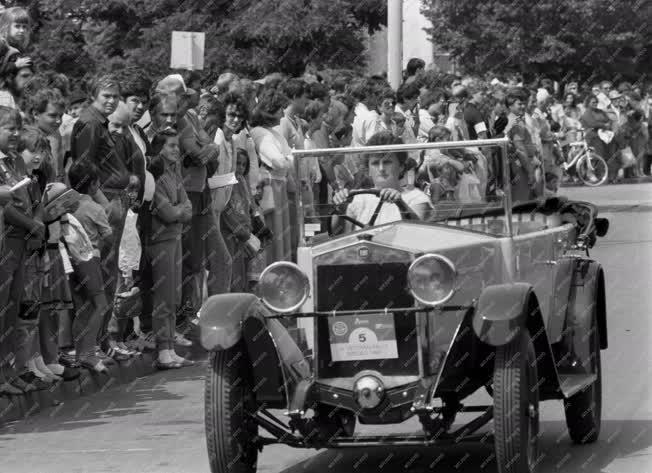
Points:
x=431, y=279
x=283, y=287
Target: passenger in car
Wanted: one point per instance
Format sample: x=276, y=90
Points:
x=386, y=171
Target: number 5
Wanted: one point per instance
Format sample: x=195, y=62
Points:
x=362, y=338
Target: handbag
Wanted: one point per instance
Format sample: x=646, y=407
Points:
x=128, y=303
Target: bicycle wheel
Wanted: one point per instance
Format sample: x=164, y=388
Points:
x=592, y=169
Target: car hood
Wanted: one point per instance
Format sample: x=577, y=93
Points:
x=415, y=237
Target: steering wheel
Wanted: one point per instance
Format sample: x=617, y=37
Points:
x=403, y=208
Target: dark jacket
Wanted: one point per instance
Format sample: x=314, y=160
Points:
x=19, y=215
x=91, y=140
x=171, y=206
x=199, y=153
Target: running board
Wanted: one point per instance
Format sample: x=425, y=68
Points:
x=401, y=441
x=573, y=383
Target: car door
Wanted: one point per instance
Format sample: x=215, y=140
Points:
x=535, y=265
x=563, y=276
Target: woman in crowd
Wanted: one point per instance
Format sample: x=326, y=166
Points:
x=570, y=119
x=276, y=170
x=596, y=122
x=386, y=171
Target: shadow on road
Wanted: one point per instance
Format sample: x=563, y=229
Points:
x=123, y=400
x=618, y=439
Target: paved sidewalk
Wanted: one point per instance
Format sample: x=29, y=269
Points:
x=614, y=197
x=13, y=408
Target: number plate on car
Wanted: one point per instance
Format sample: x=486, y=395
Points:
x=362, y=337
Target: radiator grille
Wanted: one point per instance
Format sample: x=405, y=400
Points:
x=362, y=286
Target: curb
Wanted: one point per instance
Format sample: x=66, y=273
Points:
x=16, y=408
x=631, y=180
x=618, y=208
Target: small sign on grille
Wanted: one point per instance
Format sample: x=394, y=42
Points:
x=363, y=337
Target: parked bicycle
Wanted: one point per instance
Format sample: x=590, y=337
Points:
x=584, y=163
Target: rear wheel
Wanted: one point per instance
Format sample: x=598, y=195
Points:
x=584, y=409
x=592, y=169
x=516, y=406
x=229, y=403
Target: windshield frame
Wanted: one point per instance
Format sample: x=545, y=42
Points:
x=298, y=154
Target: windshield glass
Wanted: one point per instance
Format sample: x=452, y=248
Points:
x=444, y=185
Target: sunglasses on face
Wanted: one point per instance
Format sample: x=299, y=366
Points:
x=235, y=115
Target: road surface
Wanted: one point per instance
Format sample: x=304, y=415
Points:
x=156, y=424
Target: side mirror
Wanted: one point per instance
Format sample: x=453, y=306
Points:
x=601, y=226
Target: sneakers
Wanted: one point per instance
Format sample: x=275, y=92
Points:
x=146, y=341
x=130, y=351
x=180, y=340
x=118, y=354
x=105, y=358
x=68, y=358
x=32, y=379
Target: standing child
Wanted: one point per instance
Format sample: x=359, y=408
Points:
x=171, y=209
x=240, y=241
x=20, y=226
x=28, y=362
x=87, y=282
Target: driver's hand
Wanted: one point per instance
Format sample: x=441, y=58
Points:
x=390, y=195
x=341, y=196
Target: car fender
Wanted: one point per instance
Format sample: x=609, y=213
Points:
x=501, y=312
x=277, y=363
x=221, y=317
x=586, y=296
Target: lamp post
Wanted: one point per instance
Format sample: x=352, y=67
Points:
x=395, y=42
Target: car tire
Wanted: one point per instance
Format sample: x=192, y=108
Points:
x=516, y=406
x=230, y=432
x=584, y=409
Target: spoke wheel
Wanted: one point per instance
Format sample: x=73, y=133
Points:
x=592, y=169
x=229, y=401
x=516, y=406
x=584, y=409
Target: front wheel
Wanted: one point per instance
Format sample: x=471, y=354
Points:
x=516, y=406
x=592, y=169
x=229, y=404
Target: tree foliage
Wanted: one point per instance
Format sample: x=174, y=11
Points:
x=588, y=39
x=254, y=37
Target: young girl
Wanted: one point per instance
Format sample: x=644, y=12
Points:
x=15, y=25
x=171, y=209
x=238, y=228
x=14, y=67
x=29, y=363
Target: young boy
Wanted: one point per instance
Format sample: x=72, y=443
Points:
x=86, y=282
x=171, y=209
x=45, y=108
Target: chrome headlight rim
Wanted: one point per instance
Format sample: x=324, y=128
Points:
x=448, y=263
x=305, y=281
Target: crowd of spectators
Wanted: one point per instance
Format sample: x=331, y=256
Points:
x=145, y=195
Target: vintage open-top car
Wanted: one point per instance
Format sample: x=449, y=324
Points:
x=409, y=318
